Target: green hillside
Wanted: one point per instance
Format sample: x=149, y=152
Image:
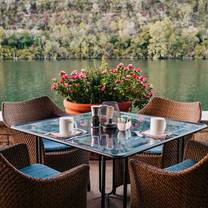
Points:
x=34, y=29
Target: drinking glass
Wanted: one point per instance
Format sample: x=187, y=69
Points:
x=104, y=116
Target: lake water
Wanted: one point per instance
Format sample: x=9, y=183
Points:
x=174, y=79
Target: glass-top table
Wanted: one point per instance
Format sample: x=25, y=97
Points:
x=111, y=143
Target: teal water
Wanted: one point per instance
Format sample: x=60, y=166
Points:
x=174, y=79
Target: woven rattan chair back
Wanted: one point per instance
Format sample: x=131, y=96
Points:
x=152, y=187
x=174, y=110
x=26, y=111
x=37, y=109
x=18, y=190
x=181, y=111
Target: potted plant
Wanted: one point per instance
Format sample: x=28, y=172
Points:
x=124, y=84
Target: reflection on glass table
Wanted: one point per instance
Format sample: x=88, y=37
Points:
x=112, y=143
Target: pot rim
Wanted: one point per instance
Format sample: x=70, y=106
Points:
x=69, y=101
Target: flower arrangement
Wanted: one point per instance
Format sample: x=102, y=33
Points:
x=123, y=83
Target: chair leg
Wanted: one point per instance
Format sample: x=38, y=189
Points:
x=88, y=187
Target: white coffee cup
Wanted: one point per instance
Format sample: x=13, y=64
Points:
x=157, y=126
x=67, y=126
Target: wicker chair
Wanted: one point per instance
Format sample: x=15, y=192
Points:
x=184, y=187
x=181, y=111
x=36, y=109
x=165, y=155
x=17, y=189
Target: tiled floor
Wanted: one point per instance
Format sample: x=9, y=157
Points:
x=94, y=195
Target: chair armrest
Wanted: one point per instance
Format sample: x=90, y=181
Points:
x=154, y=187
x=69, y=159
x=196, y=150
x=17, y=155
x=69, y=189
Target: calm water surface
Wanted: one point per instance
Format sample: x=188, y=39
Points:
x=175, y=79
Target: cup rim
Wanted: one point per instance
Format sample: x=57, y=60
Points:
x=157, y=118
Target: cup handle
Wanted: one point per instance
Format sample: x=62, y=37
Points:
x=75, y=125
x=165, y=125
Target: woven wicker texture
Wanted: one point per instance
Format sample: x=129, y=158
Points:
x=21, y=191
x=152, y=187
x=169, y=109
x=37, y=109
x=5, y=134
x=174, y=110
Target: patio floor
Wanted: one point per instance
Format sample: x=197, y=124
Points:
x=94, y=199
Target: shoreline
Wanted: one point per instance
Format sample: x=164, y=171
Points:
x=112, y=58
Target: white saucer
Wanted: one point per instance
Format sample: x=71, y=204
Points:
x=147, y=133
x=73, y=134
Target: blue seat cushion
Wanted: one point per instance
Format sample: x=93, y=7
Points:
x=181, y=166
x=155, y=150
x=51, y=146
x=39, y=171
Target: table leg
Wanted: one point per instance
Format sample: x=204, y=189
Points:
x=125, y=182
x=113, y=178
x=103, y=194
x=113, y=191
x=180, y=149
x=99, y=171
x=38, y=150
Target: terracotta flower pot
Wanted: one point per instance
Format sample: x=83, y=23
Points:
x=77, y=108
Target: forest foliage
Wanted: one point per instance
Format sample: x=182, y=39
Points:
x=62, y=29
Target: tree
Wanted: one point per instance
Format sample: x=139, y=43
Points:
x=160, y=34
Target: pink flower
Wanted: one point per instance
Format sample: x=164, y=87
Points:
x=126, y=68
x=79, y=75
x=135, y=76
x=130, y=66
x=137, y=70
x=121, y=65
x=146, y=85
x=65, y=76
x=76, y=76
x=142, y=78
x=114, y=71
x=66, y=84
x=149, y=94
x=54, y=86
x=82, y=75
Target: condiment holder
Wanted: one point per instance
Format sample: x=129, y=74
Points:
x=124, y=123
x=109, y=118
x=95, y=109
